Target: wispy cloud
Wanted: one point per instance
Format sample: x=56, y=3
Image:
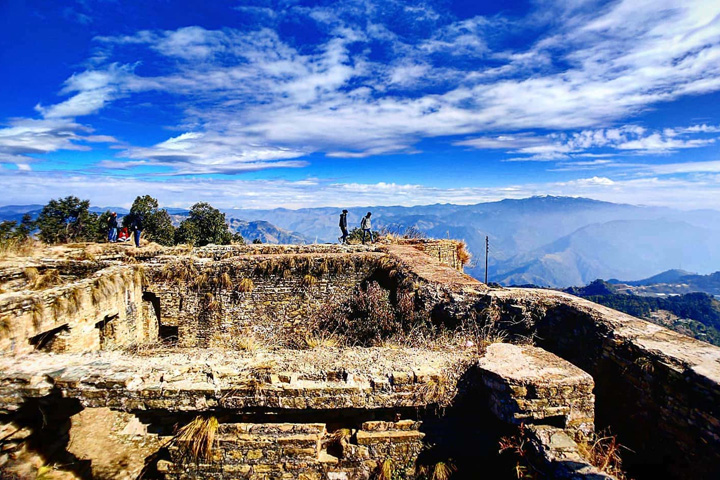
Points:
x=33, y=187
x=376, y=78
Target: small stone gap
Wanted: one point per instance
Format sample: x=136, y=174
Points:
x=154, y=301
x=558, y=421
x=44, y=342
x=169, y=334
x=106, y=329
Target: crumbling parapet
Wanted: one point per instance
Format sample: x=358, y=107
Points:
x=528, y=385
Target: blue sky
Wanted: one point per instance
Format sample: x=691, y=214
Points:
x=292, y=103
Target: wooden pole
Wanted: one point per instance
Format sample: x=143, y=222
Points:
x=487, y=250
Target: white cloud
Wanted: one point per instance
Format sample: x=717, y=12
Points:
x=255, y=99
x=23, y=137
x=38, y=187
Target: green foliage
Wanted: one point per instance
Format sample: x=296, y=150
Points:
x=11, y=231
x=102, y=226
x=356, y=235
x=204, y=225
x=157, y=224
x=257, y=241
x=237, y=239
x=67, y=220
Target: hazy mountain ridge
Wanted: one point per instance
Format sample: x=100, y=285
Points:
x=265, y=232
x=696, y=314
x=671, y=282
x=550, y=241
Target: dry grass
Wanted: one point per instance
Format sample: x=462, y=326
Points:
x=321, y=339
x=443, y=471
x=31, y=275
x=248, y=343
x=59, y=306
x=179, y=271
x=46, y=280
x=463, y=254
x=385, y=470
x=197, y=438
x=308, y=281
x=210, y=302
x=603, y=452
x=245, y=286
x=224, y=281
x=37, y=309
x=645, y=364
x=103, y=287
x=201, y=281
x=140, y=275
x=76, y=296
x=20, y=248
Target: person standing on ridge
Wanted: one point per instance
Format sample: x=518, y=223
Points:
x=366, y=227
x=343, y=227
x=136, y=225
x=112, y=228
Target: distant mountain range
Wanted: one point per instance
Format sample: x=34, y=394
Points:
x=693, y=311
x=670, y=282
x=266, y=232
x=549, y=241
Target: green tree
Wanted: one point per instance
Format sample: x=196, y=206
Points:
x=157, y=224
x=10, y=230
x=204, y=225
x=67, y=220
x=237, y=239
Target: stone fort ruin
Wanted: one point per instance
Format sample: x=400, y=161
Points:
x=331, y=362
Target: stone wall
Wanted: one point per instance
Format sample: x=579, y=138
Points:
x=84, y=314
x=303, y=451
x=444, y=251
x=218, y=303
x=657, y=389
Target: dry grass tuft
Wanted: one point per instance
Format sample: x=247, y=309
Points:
x=604, y=453
x=37, y=309
x=245, y=286
x=180, y=270
x=321, y=339
x=140, y=275
x=645, y=364
x=462, y=253
x=20, y=248
x=224, y=281
x=103, y=287
x=60, y=306
x=201, y=281
x=210, y=302
x=443, y=471
x=385, y=470
x=46, y=280
x=31, y=275
x=76, y=299
x=308, y=281
x=248, y=343
x=197, y=438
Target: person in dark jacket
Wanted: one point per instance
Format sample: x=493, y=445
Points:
x=112, y=228
x=136, y=225
x=343, y=227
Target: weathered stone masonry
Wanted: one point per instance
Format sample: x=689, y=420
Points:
x=341, y=412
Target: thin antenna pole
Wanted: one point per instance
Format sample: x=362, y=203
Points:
x=487, y=250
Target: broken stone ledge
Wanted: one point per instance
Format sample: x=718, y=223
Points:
x=328, y=378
